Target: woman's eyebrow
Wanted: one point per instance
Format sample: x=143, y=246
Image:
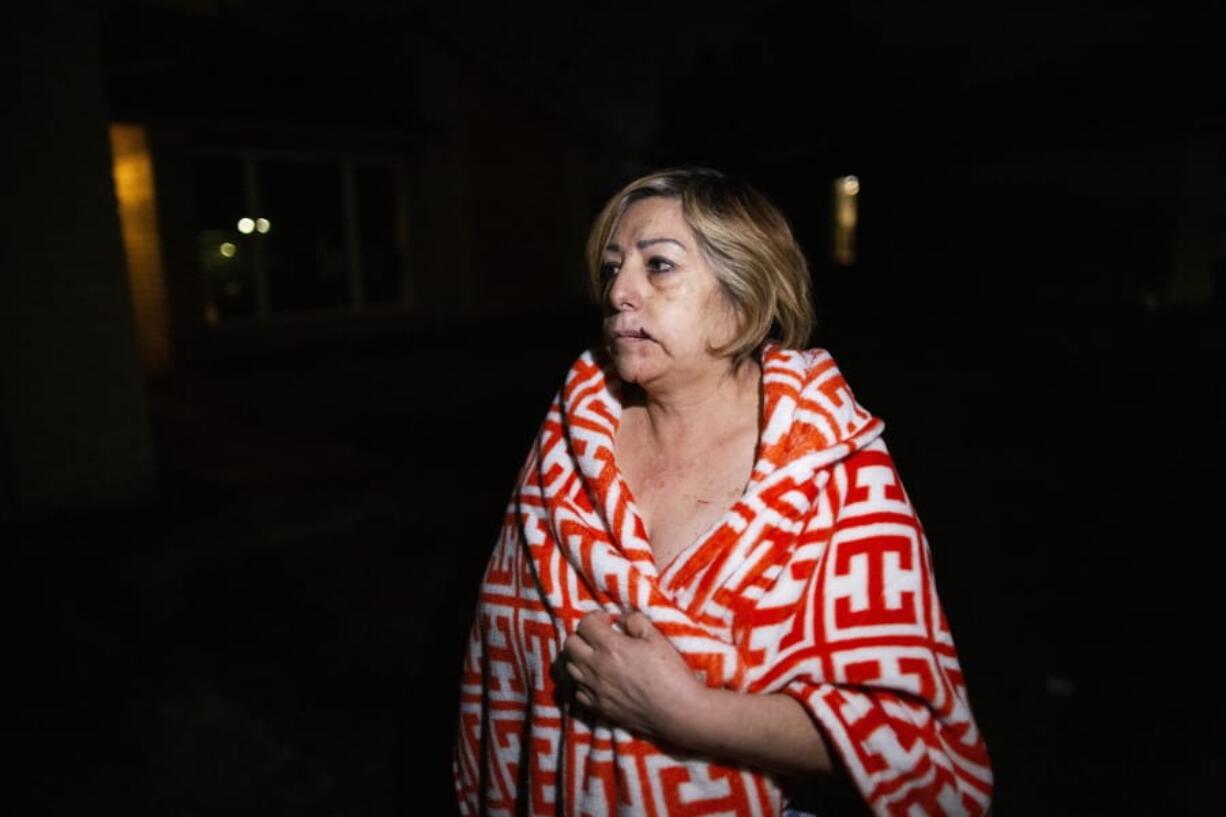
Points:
x=647, y=242
x=644, y=244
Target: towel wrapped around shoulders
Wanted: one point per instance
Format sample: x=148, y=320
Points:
x=817, y=583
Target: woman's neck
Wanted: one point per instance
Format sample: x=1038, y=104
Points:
x=703, y=411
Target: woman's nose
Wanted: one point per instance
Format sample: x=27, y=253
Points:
x=626, y=291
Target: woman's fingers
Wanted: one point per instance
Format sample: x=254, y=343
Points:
x=578, y=658
x=640, y=626
x=630, y=675
x=581, y=656
x=579, y=652
x=575, y=672
x=577, y=648
x=596, y=628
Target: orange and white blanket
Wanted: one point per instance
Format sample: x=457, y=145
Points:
x=817, y=583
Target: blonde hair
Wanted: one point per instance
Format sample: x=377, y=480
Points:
x=746, y=241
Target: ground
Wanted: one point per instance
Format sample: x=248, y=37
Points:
x=281, y=633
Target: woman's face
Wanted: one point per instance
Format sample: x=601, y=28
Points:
x=664, y=307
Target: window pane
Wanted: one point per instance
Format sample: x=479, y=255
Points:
x=382, y=264
x=305, y=242
x=225, y=255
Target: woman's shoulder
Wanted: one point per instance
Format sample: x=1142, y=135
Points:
x=807, y=365
x=812, y=379
x=589, y=377
x=591, y=365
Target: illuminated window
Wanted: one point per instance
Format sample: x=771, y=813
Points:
x=846, y=198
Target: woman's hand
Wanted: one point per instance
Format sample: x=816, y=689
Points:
x=635, y=678
x=638, y=680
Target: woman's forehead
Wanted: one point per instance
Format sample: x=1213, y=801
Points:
x=650, y=219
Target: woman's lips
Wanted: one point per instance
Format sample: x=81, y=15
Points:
x=629, y=332
x=635, y=336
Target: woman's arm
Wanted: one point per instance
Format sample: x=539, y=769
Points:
x=772, y=732
x=639, y=681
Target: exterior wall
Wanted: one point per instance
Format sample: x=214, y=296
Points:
x=508, y=190
x=1200, y=243
x=1083, y=226
x=499, y=193
x=73, y=415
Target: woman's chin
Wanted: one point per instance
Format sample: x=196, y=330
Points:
x=626, y=372
x=633, y=369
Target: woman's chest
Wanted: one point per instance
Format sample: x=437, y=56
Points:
x=679, y=502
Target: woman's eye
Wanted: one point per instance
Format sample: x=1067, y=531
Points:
x=608, y=269
x=658, y=264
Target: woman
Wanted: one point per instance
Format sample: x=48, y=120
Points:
x=710, y=582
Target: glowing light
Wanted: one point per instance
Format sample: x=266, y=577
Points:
x=262, y=225
x=227, y=249
x=132, y=167
x=845, y=216
x=246, y=225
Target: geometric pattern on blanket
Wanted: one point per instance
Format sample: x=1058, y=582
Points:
x=817, y=583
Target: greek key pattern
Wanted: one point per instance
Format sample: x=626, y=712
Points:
x=817, y=583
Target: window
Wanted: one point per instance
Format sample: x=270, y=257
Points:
x=226, y=258
x=381, y=234
x=283, y=235
x=304, y=248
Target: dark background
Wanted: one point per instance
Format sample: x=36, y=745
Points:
x=239, y=582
